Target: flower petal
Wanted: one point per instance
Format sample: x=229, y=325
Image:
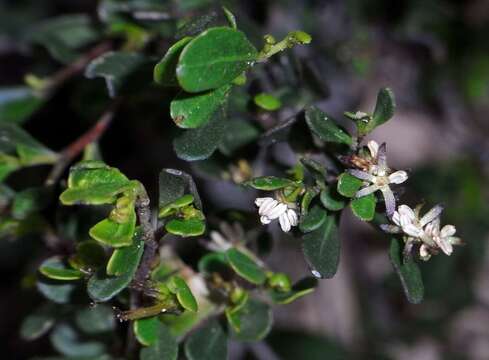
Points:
x=398, y=177
x=431, y=215
x=455, y=240
x=390, y=229
x=406, y=214
x=390, y=200
x=373, y=147
x=267, y=206
x=366, y=191
x=284, y=222
x=260, y=201
x=362, y=175
x=424, y=252
x=396, y=218
x=265, y=220
x=447, y=231
x=293, y=218
x=412, y=230
x=277, y=211
x=433, y=228
x=444, y=245
x=382, y=156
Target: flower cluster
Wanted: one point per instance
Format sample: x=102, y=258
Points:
x=424, y=230
x=270, y=209
x=378, y=176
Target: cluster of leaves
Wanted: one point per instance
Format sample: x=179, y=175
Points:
x=126, y=256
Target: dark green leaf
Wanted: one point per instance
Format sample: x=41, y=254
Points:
x=300, y=289
x=384, y=108
x=325, y=127
x=213, y=263
x=102, y=287
x=96, y=319
x=114, y=234
x=364, y=207
x=313, y=220
x=55, y=269
x=348, y=185
x=165, y=347
x=89, y=256
x=29, y=201
x=179, y=287
x=190, y=227
x=17, y=104
x=191, y=111
x=321, y=248
x=238, y=134
x=38, y=323
x=56, y=291
x=146, y=330
x=408, y=272
x=252, y=322
x=246, y=267
x=214, y=58
x=165, y=70
x=66, y=340
x=331, y=200
x=207, y=343
x=269, y=183
x=196, y=25
x=173, y=184
x=199, y=144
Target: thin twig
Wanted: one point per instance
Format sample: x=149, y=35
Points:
x=76, y=147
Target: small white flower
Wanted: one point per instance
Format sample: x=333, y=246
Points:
x=271, y=209
x=379, y=176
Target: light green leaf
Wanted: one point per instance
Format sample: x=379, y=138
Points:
x=348, y=185
x=267, y=102
x=111, y=233
x=252, y=322
x=179, y=287
x=246, y=267
x=17, y=104
x=146, y=330
x=364, y=207
x=321, y=248
x=172, y=207
x=207, y=343
x=165, y=70
x=269, y=183
x=8, y=164
x=191, y=111
x=165, y=347
x=214, y=58
x=408, y=272
x=185, y=228
x=54, y=268
x=313, y=220
x=325, y=127
x=300, y=289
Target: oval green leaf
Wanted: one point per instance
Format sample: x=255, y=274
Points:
x=267, y=102
x=364, y=207
x=111, y=233
x=179, y=287
x=252, y=322
x=331, y=200
x=165, y=72
x=54, y=268
x=185, y=228
x=146, y=330
x=325, y=127
x=207, y=343
x=165, y=347
x=348, y=185
x=246, y=267
x=314, y=219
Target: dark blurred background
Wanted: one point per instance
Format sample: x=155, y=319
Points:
x=434, y=55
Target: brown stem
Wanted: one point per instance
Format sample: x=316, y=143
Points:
x=76, y=147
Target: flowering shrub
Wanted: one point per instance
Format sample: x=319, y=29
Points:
x=123, y=259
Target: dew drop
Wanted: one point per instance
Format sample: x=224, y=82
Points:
x=316, y=274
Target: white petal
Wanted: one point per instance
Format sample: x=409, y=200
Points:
x=260, y=201
x=382, y=156
x=433, y=228
x=412, y=230
x=267, y=206
x=265, y=220
x=406, y=215
x=398, y=177
x=444, y=245
x=362, y=175
x=292, y=215
x=277, y=211
x=431, y=215
x=366, y=191
x=373, y=147
x=424, y=252
x=396, y=218
x=447, y=231
x=390, y=229
x=284, y=222
x=455, y=240
x=390, y=200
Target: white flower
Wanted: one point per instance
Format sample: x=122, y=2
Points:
x=270, y=209
x=379, y=176
x=443, y=238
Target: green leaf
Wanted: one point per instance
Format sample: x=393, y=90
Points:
x=331, y=200
x=207, y=343
x=230, y=17
x=313, y=220
x=29, y=201
x=190, y=111
x=56, y=291
x=146, y=330
x=185, y=228
x=38, y=323
x=179, y=287
x=238, y=134
x=8, y=164
x=325, y=127
x=214, y=58
x=300, y=289
x=317, y=170
x=267, y=102
x=252, y=322
x=214, y=262
x=89, y=256
x=96, y=319
x=269, y=183
x=165, y=347
x=384, y=108
x=165, y=71
x=173, y=184
x=408, y=272
x=197, y=24
x=116, y=68
x=348, y=185
x=200, y=143
x=364, y=207
x=111, y=233
x=321, y=248
x=66, y=340
x=246, y=267
x=179, y=203
x=17, y=104
x=94, y=183
x=54, y=268
x=102, y=287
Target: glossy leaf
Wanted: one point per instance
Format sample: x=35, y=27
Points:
x=300, y=289
x=165, y=71
x=214, y=58
x=348, y=185
x=207, y=343
x=313, y=220
x=331, y=200
x=111, y=233
x=321, y=249
x=408, y=272
x=252, y=322
x=384, y=111
x=55, y=269
x=17, y=104
x=325, y=127
x=245, y=267
x=179, y=287
x=267, y=102
x=269, y=183
x=175, y=205
x=165, y=347
x=102, y=287
x=146, y=330
x=364, y=207
x=185, y=228
x=191, y=111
